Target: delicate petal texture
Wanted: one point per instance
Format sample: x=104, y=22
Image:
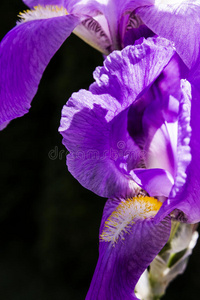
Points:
x=157, y=182
x=105, y=147
x=185, y=192
x=128, y=73
x=120, y=265
x=178, y=21
x=24, y=54
x=95, y=159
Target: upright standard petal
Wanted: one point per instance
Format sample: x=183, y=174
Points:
x=178, y=21
x=24, y=54
x=103, y=146
x=129, y=241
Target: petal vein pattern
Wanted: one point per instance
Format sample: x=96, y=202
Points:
x=24, y=54
x=179, y=22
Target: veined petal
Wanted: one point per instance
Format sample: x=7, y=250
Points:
x=102, y=152
x=95, y=33
x=93, y=30
x=139, y=240
x=145, y=61
x=178, y=21
x=96, y=158
x=24, y=54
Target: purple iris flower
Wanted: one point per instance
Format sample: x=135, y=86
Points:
x=105, y=24
x=134, y=138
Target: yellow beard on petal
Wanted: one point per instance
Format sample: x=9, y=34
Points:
x=42, y=12
x=126, y=214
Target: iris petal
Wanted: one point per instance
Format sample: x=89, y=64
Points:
x=179, y=22
x=24, y=54
x=157, y=182
x=107, y=151
x=95, y=157
x=120, y=265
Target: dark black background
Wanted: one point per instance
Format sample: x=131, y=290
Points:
x=48, y=222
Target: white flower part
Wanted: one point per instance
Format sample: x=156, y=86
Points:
x=143, y=288
x=193, y=241
x=126, y=214
x=42, y=12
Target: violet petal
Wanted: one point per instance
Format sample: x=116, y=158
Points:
x=120, y=265
x=100, y=153
x=157, y=182
x=179, y=23
x=24, y=54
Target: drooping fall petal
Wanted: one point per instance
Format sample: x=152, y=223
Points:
x=24, y=54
